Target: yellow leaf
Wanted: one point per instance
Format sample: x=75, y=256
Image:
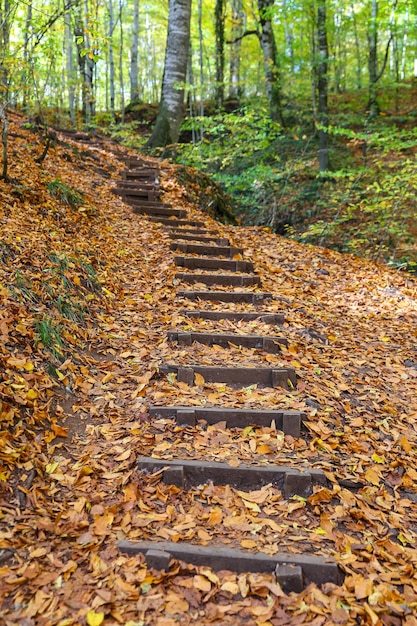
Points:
x=94, y=619
x=263, y=448
x=405, y=444
x=204, y=535
x=383, y=338
x=28, y=366
x=32, y=394
x=331, y=337
x=198, y=380
x=372, y=476
x=202, y=583
x=51, y=467
x=378, y=459
x=248, y=543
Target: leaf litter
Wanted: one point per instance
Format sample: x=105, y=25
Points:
x=88, y=297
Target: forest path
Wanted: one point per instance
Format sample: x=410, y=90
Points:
x=350, y=328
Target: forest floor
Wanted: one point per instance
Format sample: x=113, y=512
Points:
x=88, y=294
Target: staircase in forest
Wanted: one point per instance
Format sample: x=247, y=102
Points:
x=209, y=260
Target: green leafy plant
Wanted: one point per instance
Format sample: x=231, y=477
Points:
x=49, y=336
x=64, y=193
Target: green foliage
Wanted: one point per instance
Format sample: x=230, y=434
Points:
x=64, y=193
x=49, y=336
x=365, y=205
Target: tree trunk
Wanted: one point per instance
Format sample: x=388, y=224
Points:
x=70, y=68
x=122, y=84
x=219, y=31
x=85, y=60
x=171, y=106
x=357, y=49
x=112, y=78
x=373, y=60
x=289, y=37
x=269, y=49
x=235, y=87
x=5, y=48
x=26, y=56
x=322, y=85
x=134, y=53
x=200, y=60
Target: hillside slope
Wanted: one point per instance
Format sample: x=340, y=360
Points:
x=88, y=294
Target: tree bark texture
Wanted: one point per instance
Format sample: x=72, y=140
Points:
x=219, y=30
x=134, y=53
x=373, y=60
x=235, y=87
x=269, y=49
x=322, y=84
x=171, y=106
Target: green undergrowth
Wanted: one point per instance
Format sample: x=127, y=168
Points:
x=364, y=205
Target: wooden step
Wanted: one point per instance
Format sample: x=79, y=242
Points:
x=234, y=376
x=292, y=571
x=257, y=342
x=226, y=296
x=127, y=186
x=220, y=279
x=216, y=240
x=138, y=163
x=236, y=316
x=144, y=173
x=144, y=209
x=190, y=231
x=290, y=422
x=129, y=195
x=204, y=263
x=217, y=251
x=187, y=474
x=181, y=222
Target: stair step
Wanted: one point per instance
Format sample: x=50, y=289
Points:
x=213, y=264
x=189, y=248
x=234, y=376
x=129, y=195
x=236, y=316
x=226, y=296
x=217, y=240
x=187, y=474
x=144, y=209
x=220, y=279
x=191, y=231
x=290, y=422
x=292, y=571
x=144, y=173
x=181, y=222
x=140, y=185
x=257, y=342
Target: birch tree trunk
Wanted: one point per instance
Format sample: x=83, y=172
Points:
x=111, y=58
x=171, y=106
x=373, y=60
x=70, y=68
x=219, y=31
x=322, y=85
x=134, y=53
x=269, y=49
x=235, y=88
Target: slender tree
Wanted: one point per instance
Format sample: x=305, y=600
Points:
x=322, y=85
x=134, y=53
x=171, y=106
x=235, y=87
x=219, y=31
x=270, y=53
x=374, y=73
